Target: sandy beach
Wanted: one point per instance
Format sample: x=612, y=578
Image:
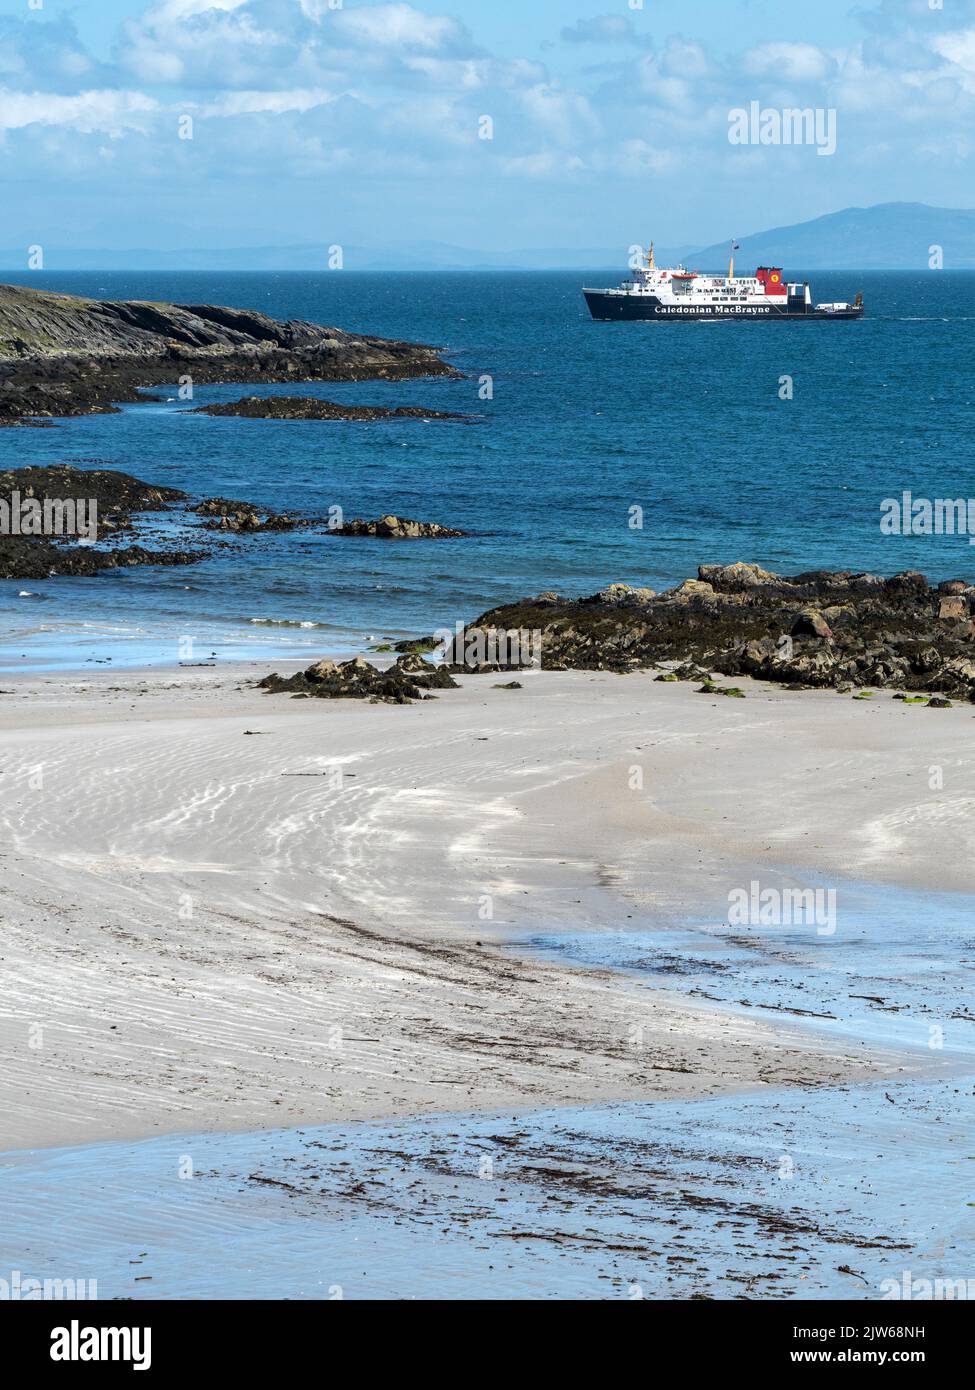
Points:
x=228, y=911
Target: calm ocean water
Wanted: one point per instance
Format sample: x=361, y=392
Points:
x=587, y=421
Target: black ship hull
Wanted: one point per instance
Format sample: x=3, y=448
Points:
x=608, y=306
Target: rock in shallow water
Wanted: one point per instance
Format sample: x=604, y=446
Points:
x=22, y=558
x=245, y=517
x=313, y=408
x=398, y=528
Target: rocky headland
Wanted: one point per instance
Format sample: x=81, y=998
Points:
x=65, y=355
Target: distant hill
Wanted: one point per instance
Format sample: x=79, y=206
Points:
x=889, y=236
x=420, y=255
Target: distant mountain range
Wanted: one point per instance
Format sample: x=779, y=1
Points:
x=889, y=236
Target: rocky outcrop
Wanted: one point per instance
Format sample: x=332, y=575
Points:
x=246, y=518
x=113, y=491
x=817, y=629
x=309, y=408
x=117, y=495
x=224, y=514
x=411, y=678
x=397, y=528
x=65, y=355
x=617, y=596
x=23, y=558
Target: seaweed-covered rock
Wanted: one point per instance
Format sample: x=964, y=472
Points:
x=411, y=678
x=417, y=644
x=224, y=514
x=821, y=628
x=397, y=528
x=69, y=503
x=311, y=408
x=113, y=491
x=23, y=558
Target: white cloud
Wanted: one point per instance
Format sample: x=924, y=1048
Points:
x=398, y=27
x=274, y=103
x=688, y=60
x=224, y=43
x=170, y=11
x=565, y=117
x=790, y=62
x=112, y=113
x=958, y=48
x=275, y=42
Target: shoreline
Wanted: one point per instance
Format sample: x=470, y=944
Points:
x=330, y=964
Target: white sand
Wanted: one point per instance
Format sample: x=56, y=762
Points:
x=193, y=937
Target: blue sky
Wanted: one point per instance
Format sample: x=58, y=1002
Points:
x=510, y=27
x=361, y=122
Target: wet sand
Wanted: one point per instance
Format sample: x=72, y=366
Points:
x=787, y=1194
x=230, y=911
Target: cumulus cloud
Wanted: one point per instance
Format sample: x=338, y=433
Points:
x=396, y=90
x=188, y=41
x=957, y=48
x=243, y=103
x=112, y=113
x=400, y=27
x=235, y=42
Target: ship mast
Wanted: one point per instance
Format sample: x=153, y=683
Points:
x=731, y=262
x=650, y=265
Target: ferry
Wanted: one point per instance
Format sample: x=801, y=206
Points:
x=679, y=293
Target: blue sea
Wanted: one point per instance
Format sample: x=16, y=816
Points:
x=587, y=422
